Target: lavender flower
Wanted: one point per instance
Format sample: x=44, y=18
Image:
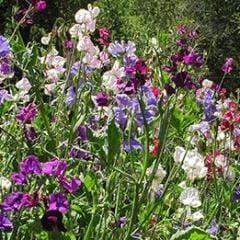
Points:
x=70, y=96
x=82, y=133
x=213, y=228
x=5, y=224
x=4, y=47
x=58, y=202
x=4, y=95
x=132, y=144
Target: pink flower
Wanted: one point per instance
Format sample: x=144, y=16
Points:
x=40, y=5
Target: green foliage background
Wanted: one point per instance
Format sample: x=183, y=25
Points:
x=218, y=21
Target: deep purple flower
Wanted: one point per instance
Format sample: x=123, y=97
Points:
x=27, y=114
x=30, y=165
x=40, y=5
x=227, y=66
x=183, y=80
x=58, y=202
x=82, y=133
x=236, y=195
x=70, y=186
x=169, y=89
x=14, y=201
x=213, y=228
x=102, y=99
x=30, y=134
x=70, y=96
x=5, y=68
x=52, y=221
x=4, y=47
x=78, y=153
x=5, y=224
x=132, y=144
x=68, y=44
x=18, y=178
x=178, y=57
x=181, y=42
x=56, y=167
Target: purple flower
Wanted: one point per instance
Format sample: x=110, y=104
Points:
x=168, y=68
x=193, y=58
x=183, y=80
x=70, y=186
x=182, y=29
x=169, y=89
x=27, y=114
x=82, y=133
x=52, y=221
x=236, y=195
x=4, y=47
x=14, y=201
x=102, y=99
x=68, y=44
x=181, y=42
x=40, y=5
x=5, y=224
x=122, y=221
x=70, y=96
x=213, y=228
x=5, y=68
x=123, y=100
x=30, y=134
x=227, y=66
x=58, y=202
x=132, y=144
x=120, y=117
x=55, y=167
x=18, y=178
x=78, y=153
x=30, y=165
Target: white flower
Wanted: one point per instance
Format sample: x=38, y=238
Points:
x=110, y=78
x=58, y=63
x=24, y=84
x=48, y=88
x=158, y=177
x=197, y=216
x=221, y=161
x=83, y=16
x=76, y=31
x=5, y=183
x=85, y=45
x=194, y=166
x=46, y=39
x=179, y=154
x=190, y=197
x=207, y=83
x=94, y=11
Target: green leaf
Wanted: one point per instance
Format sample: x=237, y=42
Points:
x=193, y=233
x=114, y=141
x=89, y=181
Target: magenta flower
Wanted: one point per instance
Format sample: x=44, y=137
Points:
x=27, y=114
x=55, y=167
x=14, y=201
x=58, y=202
x=68, y=44
x=227, y=66
x=30, y=165
x=70, y=186
x=102, y=99
x=30, y=134
x=5, y=224
x=40, y=5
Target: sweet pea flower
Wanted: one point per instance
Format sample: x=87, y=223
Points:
x=70, y=186
x=56, y=167
x=58, y=202
x=30, y=165
x=5, y=224
x=5, y=184
x=189, y=197
x=27, y=114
